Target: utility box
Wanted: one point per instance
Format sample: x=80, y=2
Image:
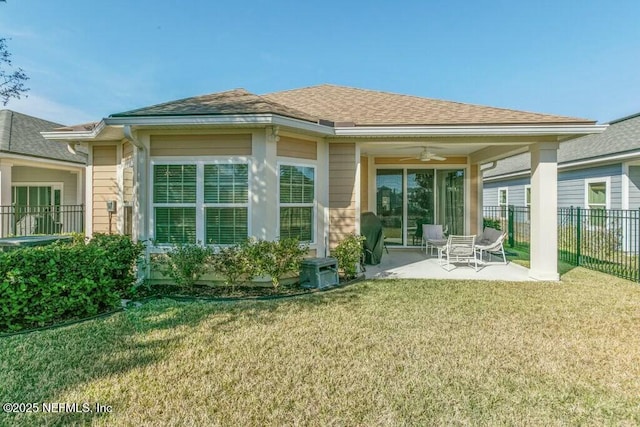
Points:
x=319, y=272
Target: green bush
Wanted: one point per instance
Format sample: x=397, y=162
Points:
x=349, y=254
x=234, y=263
x=186, y=263
x=275, y=259
x=48, y=284
x=491, y=223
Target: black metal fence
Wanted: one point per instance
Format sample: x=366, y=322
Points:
x=606, y=240
x=32, y=220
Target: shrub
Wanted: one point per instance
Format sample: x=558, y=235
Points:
x=48, y=284
x=123, y=254
x=275, y=259
x=234, y=263
x=186, y=263
x=349, y=254
x=491, y=223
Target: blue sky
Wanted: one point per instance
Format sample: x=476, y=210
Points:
x=88, y=59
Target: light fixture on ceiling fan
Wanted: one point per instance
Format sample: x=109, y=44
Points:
x=425, y=155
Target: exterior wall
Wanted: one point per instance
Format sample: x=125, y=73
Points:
x=364, y=183
x=634, y=187
x=201, y=145
x=104, y=186
x=69, y=180
x=571, y=187
x=342, y=191
x=127, y=172
x=297, y=148
x=474, y=209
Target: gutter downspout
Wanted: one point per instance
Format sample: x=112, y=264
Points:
x=140, y=214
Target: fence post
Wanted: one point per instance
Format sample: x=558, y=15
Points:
x=578, y=234
x=510, y=225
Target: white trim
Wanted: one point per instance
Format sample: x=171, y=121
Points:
x=199, y=205
x=38, y=162
x=358, y=184
x=88, y=211
x=472, y=130
x=120, y=186
x=506, y=201
x=625, y=181
x=607, y=189
x=527, y=187
x=314, y=206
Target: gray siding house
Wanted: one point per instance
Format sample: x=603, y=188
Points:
x=594, y=171
x=41, y=182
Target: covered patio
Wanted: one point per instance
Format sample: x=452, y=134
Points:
x=413, y=263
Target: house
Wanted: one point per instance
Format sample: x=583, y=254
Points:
x=599, y=171
x=307, y=162
x=41, y=182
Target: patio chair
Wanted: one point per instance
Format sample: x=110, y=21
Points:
x=459, y=249
x=433, y=236
x=491, y=241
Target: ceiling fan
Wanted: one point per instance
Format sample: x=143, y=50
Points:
x=425, y=155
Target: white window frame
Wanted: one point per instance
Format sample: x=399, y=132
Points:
x=527, y=203
x=313, y=206
x=199, y=205
x=503, y=212
x=54, y=186
x=607, y=189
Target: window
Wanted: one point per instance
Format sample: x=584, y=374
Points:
x=201, y=202
x=503, y=200
x=297, y=201
x=597, y=200
x=527, y=196
x=226, y=197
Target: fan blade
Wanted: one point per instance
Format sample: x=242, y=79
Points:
x=409, y=158
x=439, y=158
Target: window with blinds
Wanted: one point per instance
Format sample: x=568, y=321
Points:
x=297, y=197
x=201, y=203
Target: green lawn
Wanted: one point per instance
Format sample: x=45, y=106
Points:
x=403, y=352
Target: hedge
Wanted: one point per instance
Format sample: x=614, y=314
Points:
x=49, y=284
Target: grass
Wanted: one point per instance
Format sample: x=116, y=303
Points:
x=397, y=352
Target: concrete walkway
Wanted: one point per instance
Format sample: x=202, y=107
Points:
x=415, y=264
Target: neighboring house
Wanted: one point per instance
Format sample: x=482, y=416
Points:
x=41, y=182
x=595, y=171
x=307, y=162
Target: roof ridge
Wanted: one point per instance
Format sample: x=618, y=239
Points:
x=622, y=119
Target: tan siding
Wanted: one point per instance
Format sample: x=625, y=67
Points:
x=297, y=148
x=127, y=172
x=397, y=161
x=342, y=197
x=364, y=184
x=201, y=145
x=105, y=186
x=473, y=199
x=127, y=151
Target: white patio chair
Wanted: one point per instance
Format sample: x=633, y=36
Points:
x=433, y=237
x=491, y=241
x=459, y=249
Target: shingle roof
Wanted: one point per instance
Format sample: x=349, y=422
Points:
x=20, y=134
x=622, y=136
x=367, y=107
x=347, y=105
x=237, y=101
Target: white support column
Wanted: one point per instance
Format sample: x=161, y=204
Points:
x=264, y=184
x=544, y=211
x=5, y=196
x=322, y=192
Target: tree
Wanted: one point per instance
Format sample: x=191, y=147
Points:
x=11, y=80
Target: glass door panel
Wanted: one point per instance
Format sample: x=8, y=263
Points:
x=420, y=202
x=450, y=188
x=389, y=203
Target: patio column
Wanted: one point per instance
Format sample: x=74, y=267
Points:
x=544, y=211
x=5, y=197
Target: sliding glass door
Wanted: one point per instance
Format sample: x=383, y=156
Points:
x=408, y=198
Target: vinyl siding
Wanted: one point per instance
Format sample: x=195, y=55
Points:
x=297, y=148
x=127, y=172
x=201, y=145
x=342, y=200
x=364, y=183
x=634, y=187
x=105, y=186
x=571, y=187
x=27, y=174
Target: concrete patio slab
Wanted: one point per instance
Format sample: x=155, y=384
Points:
x=415, y=264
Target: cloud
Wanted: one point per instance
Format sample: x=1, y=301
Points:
x=43, y=108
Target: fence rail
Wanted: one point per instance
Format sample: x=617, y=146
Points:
x=606, y=240
x=32, y=220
